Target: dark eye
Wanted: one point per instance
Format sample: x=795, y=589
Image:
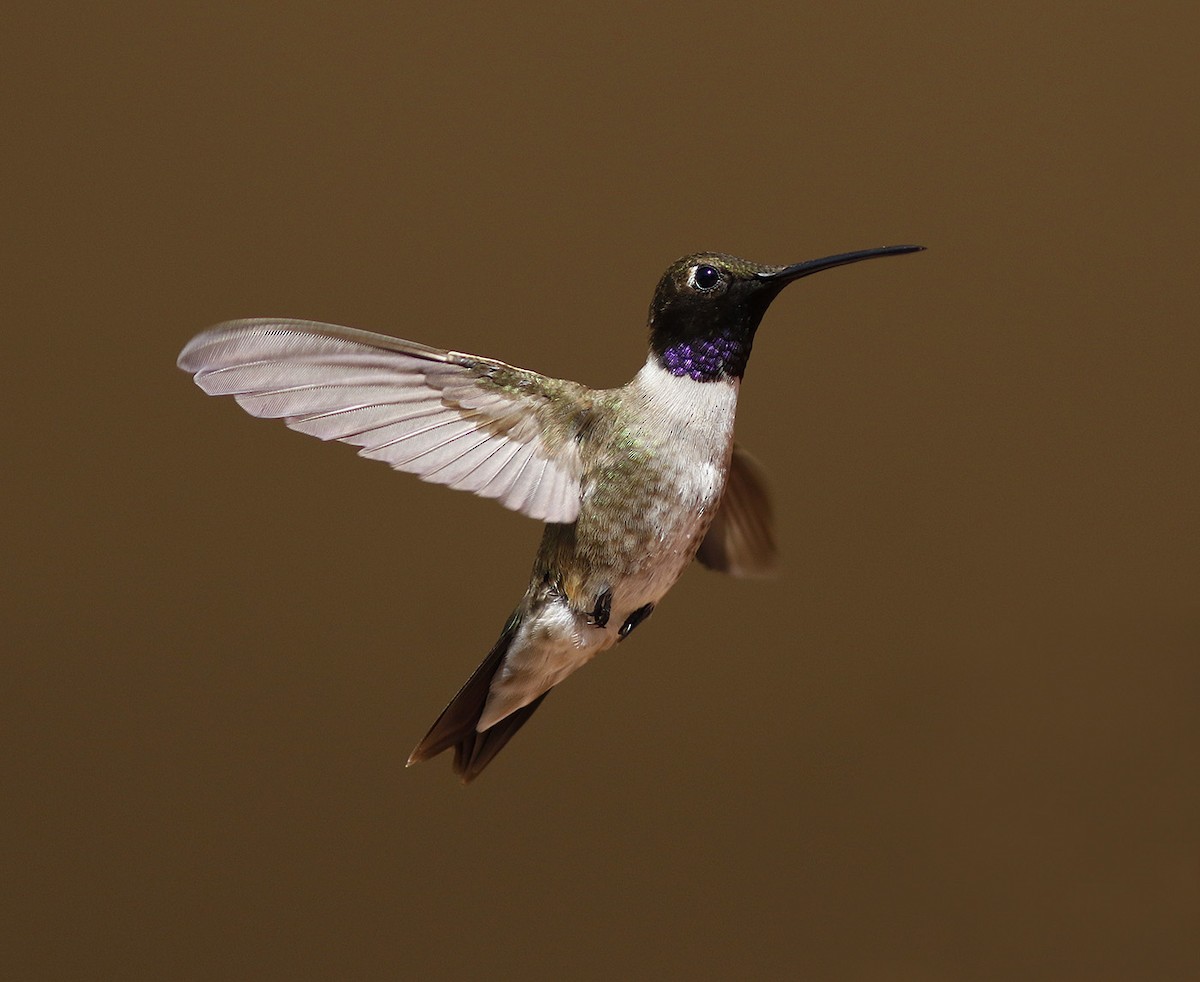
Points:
x=706, y=277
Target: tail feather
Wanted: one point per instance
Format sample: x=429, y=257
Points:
x=455, y=727
x=475, y=750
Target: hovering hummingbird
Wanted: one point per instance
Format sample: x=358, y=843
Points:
x=632, y=482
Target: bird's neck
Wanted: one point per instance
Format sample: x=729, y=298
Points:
x=683, y=404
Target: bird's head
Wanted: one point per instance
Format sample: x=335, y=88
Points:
x=708, y=306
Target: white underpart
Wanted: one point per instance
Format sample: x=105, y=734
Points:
x=693, y=423
x=547, y=649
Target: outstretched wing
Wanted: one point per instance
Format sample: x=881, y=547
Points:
x=472, y=423
x=741, y=539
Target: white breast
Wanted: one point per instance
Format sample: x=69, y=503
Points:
x=693, y=423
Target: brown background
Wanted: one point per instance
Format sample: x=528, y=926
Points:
x=957, y=738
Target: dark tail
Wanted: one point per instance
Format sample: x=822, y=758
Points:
x=473, y=751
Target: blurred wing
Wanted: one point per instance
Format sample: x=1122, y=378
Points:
x=741, y=540
x=471, y=423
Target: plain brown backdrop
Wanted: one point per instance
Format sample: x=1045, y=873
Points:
x=956, y=738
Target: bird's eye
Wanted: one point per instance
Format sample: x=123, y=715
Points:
x=706, y=277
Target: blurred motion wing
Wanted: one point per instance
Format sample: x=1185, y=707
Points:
x=741, y=539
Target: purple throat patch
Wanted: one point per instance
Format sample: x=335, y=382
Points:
x=706, y=359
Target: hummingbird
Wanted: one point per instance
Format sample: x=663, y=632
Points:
x=632, y=483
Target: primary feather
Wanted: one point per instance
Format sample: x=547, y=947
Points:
x=470, y=423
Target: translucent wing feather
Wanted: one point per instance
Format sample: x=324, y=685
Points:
x=471, y=423
x=741, y=539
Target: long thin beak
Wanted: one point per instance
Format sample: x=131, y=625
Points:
x=788, y=273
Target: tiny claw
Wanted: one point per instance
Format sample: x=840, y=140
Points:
x=634, y=619
x=601, y=612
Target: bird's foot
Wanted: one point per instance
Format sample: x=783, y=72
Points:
x=634, y=619
x=600, y=613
